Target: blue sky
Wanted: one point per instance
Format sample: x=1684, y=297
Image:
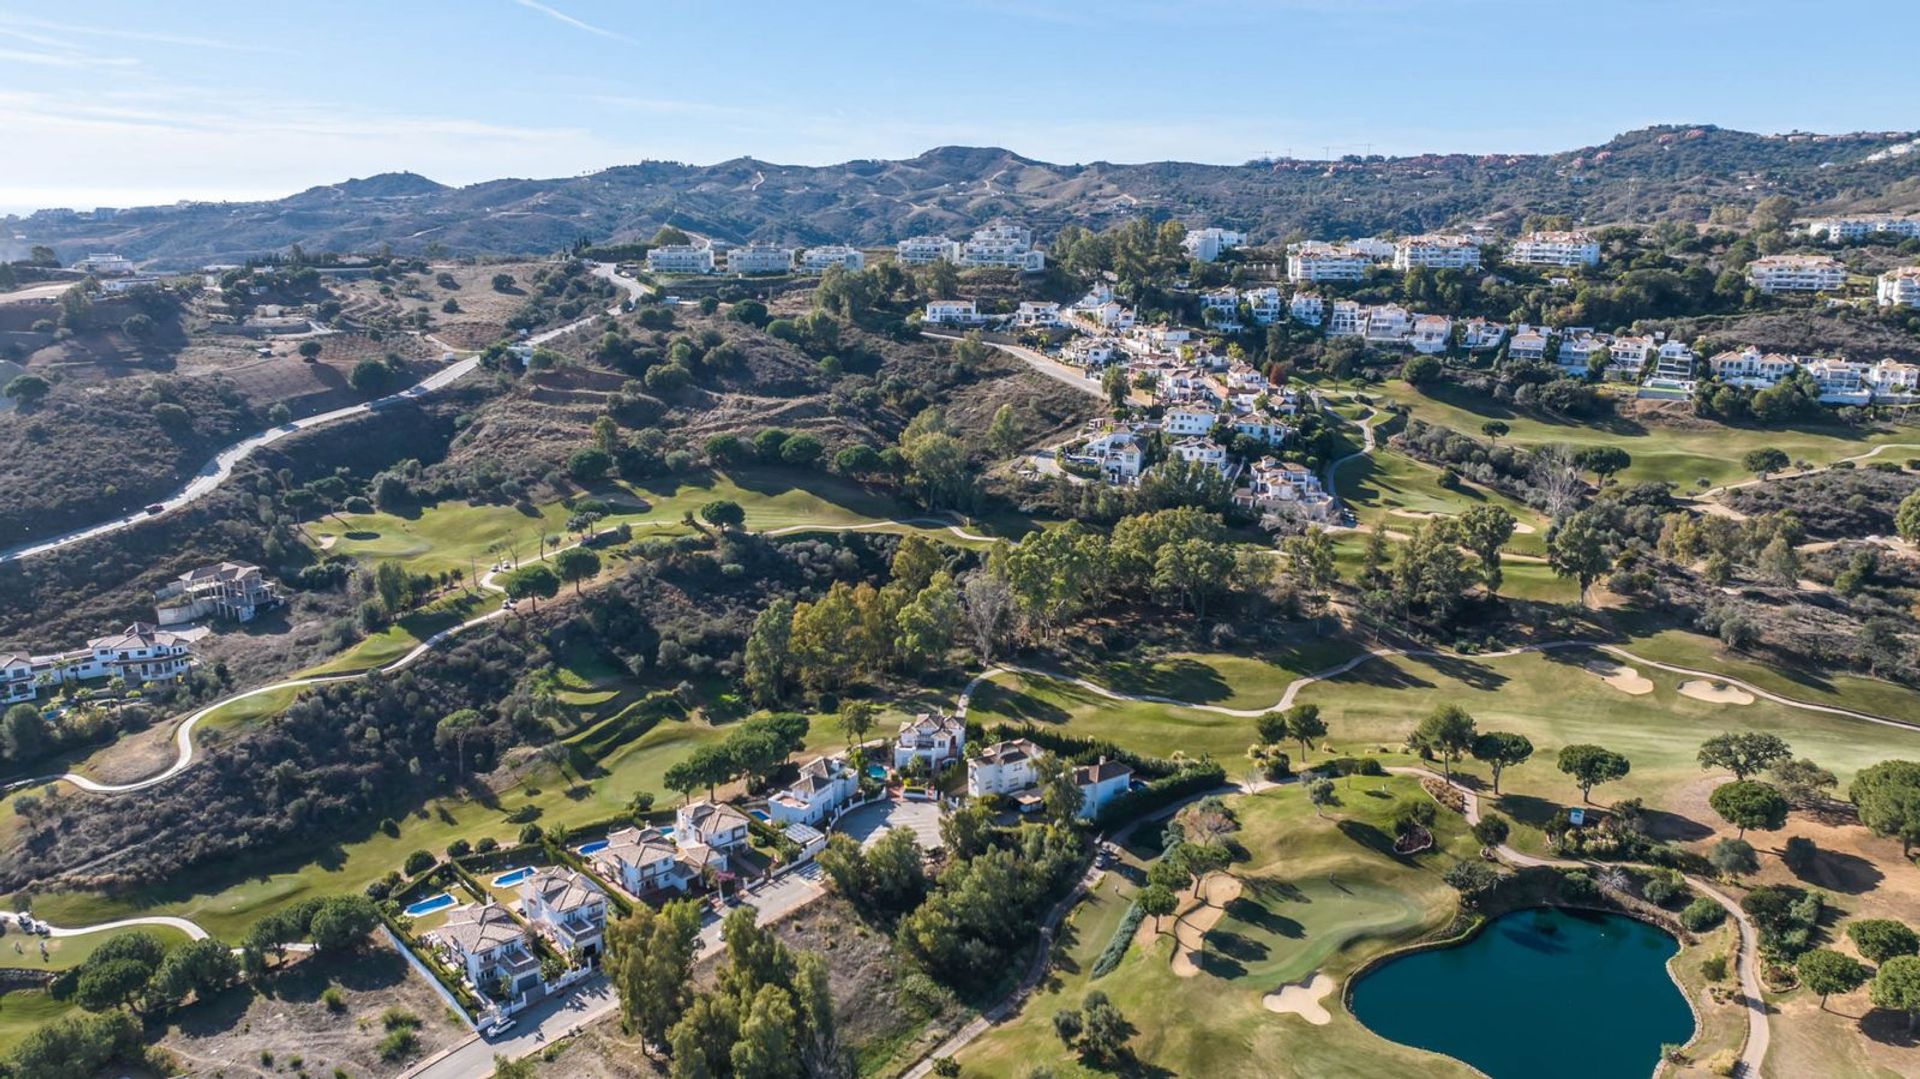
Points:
x=126, y=103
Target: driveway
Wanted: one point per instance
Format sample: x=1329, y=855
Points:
x=869, y=823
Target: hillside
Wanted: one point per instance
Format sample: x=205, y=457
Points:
x=1663, y=172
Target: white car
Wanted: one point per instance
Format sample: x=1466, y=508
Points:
x=502, y=1027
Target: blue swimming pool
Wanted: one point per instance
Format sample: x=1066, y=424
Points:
x=761, y=815
x=594, y=847
x=428, y=906
x=512, y=877
x=877, y=771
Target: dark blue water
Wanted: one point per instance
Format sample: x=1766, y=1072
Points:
x=1569, y=994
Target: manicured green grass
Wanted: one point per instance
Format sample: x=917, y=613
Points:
x=1319, y=893
x=248, y=710
x=1840, y=690
x=1519, y=580
x=407, y=633
x=23, y=1011
x=66, y=952
x=1659, y=453
x=1393, y=490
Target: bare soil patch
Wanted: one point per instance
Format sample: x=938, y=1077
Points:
x=1303, y=999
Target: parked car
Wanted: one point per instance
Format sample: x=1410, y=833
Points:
x=502, y=1027
x=156, y=508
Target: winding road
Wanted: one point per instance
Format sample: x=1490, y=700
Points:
x=221, y=467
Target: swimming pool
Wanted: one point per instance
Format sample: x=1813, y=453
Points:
x=877, y=771
x=594, y=847
x=761, y=815
x=428, y=906
x=513, y=876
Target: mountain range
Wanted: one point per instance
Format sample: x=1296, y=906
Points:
x=1668, y=172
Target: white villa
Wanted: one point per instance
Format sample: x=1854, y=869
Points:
x=644, y=860
x=1183, y=422
x=1478, y=334
x=566, y=907
x=1554, y=249
x=1899, y=287
x=1315, y=261
x=932, y=737
x=1006, y=768
x=1528, y=343
x=1203, y=451
x=1273, y=484
x=953, y=312
x=1430, y=334
x=1099, y=784
x=819, y=259
x=485, y=942
x=681, y=258
x=1206, y=245
x=1629, y=353
x=1118, y=453
x=1796, y=273
x=1674, y=360
x=716, y=827
x=1307, y=307
x=825, y=784
x=236, y=590
x=1388, y=324
x=105, y=265
x=1224, y=305
x=1108, y=316
x=1346, y=319
x=140, y=653
x=1091, y=351
x=1436, y=252
x=921, y=250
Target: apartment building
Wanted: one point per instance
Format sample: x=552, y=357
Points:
x=1554, y=249
x=953, y=312
x=1796, y=273
x=681, y=258
x=1674, y=361
x=1208, y=244
x=1307, y=307
x=105, y=265
x=1033, y=315
x=1313, y=261
x=1853, y=229
x=1389, y=325
x=1576, y=348
x=1528, y=343
x=1263, y=304
x=1899, y=287
x=819, y=259
x=1436, y=252
x=236, y=590
x=1002, y=245
x=1184, y=422
x=760, y=258
x=921, y=250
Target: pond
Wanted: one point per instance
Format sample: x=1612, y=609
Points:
x=1572, y=994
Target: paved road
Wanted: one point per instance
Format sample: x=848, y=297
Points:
x=217, y=470
x=193, y=931
x=1046, y=365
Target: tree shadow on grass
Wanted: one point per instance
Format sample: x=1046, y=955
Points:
x=1247, y=912
x=1848, y=874
x=1184, y=679
x=1662, y=824
x=1382, y=674
x=1018, y=705
x=1527, y=809
x=1237, y=946
x=1465, y=671
x=1888, y=1027
x=1218, y=964
x=1374, y=840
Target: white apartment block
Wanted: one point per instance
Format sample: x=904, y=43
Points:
x=1183, y=422
x=1389, y=325
x=819, y=259
x=1264, y=305
x=1307, y=307
x=1752, y=368
x=1208, y=244
x=920, y=250
x=1554, y=249
x=1006, y=768
x=1002, y=245
x=680, y=258
x=1203, y=451
x=1224, y=300
x=1436, y=252
x=1899, y=287
x=1430, y=334
x=952, y=312
x=1269, y=431
x=1346, y=319
x=1037, y=315
x=140, y=653
x=1796, y=273
x=1313, y=261
x=760, y=258
x=1850, y=229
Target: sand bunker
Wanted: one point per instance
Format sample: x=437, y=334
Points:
x=1714, y=692
x=1522, y=528
x=1303, y=1000
x=1190, y=923
x=1621, y=677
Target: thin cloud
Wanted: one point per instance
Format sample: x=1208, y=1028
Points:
x=62, y=59
x=577, y=24
x=150, y=36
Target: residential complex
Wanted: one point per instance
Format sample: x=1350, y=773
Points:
x=1796, y=273
x=1899, y=287
x=1851, y=229
x=680, y=258
x=140, y=653
x=1314, y=261
x=818, y=259
x=1206, y=245
x=921, y=250
x=1554, y=249
x=1436, y=252
x=760, y=258
x=999, y=244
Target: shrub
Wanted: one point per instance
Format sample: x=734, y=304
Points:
x=417, y=862
x=399, y=1044
x=1714, y=968
x=1116, y=948
x=1576, y=885
x=335, y=1001
x=487, y=845
x=1702, y=914
x=458, y=848
x=1725, y=1062
x=1661, y=888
